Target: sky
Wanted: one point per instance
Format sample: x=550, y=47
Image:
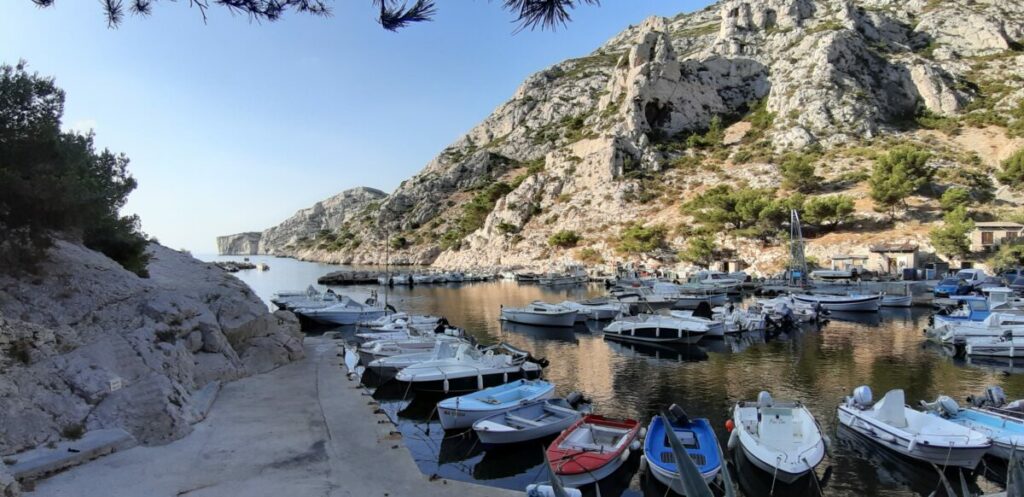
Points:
x=232, y=125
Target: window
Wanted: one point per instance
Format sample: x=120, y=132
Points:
x=1011, y=235
x=986, y=238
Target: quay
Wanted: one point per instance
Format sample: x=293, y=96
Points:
x=303, y=429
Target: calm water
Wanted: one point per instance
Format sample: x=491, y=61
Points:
x=816, y=365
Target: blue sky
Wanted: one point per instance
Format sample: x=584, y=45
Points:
x=233, y=126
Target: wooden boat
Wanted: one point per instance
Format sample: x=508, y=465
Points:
x=698, y=439
x=781, y=438
x=591, y=449
x=917, y=435
x=463, y=411
x=531, y=421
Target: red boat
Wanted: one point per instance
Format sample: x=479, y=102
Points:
x=591, y=449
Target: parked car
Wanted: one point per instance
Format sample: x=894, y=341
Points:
x=973, y=277
x=990, y=282
x=952, y=286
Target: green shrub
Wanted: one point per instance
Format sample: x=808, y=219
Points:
x=951, y=239
x=699, y=251
x=898, y=174
x=564, y=239
x=505, y=228
x=637, y=238
x=589, y=256
x=56, y=181
x=954, y=197
x=798, y=173
x=831, y=211
x=1009, y=256
x=399, y=243
x=1013, y=170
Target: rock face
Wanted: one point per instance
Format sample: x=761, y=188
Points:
x=580, y=143
x=239, y=244
x=85, y=344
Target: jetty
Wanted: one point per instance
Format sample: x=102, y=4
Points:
x=320, y=436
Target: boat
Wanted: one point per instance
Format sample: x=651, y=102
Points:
x=463, y=411
x=471, y=370
x=644, y=297
x=540, y=314
x=1007, y=345
x=781, y=438
x=527, y=277
x=897, y=301
x=530, y=421
x=593, y=311
x=573, y=275
x=402, y=318
x=386, y=367
x=914, y=434
x=857, y=303
x=717, y=280
x=591, y=449
x=704, y=316
x=655, y=328
x=698, y=439
x=345, y=311
x=376, y=349
x=831, y=274
x=1005, y=430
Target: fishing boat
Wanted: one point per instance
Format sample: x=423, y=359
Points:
x=540, y=314
x=917, y=435
x=530, y=421
x=897, y=301
x=698, y=439
x=346, y=311
x=655, y=328
x=591, y=449
x=593, y=311
x=854, y=302
x=471, y=370
x=463, y=411
x=1005, y=430
x=573, y=275
x=831, y=274
x=781, y=438
x=386, y=367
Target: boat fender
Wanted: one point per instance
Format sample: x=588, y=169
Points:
x=643, y=463
x=504, y=377
x=535, y=490
x=643, y=433
x=734, y=440
x=912, y=445
x=828, y=444
x=445, y=385
x=729, y=425
x=480, y=381
x=634, y=445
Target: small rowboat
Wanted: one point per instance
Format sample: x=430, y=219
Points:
x=858, y=303
x=698, y=439
x=462, y=412
x=591, y=449
x=532, y=421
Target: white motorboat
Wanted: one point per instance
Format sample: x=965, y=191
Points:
x=1004, y=426
x=471, y=370
x=573, y=275
x=897, y=301
x=594, y=311
x=717, y=280
x=540, y=314
x=917, y=435
x=345, y=311
x=849, y=303
x=703, y=316
x=387, y=367
x=1004, y=346
x=781, y=438
x=464, y=410
x=531, y=421
x=831, y=274
x=407, y=331
x=655, y=328
x=785, y=308
x=376, y=349
x=994, y=327
x=401, y=318
x=644, y=297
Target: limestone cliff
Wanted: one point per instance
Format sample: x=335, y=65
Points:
x=239, y=244
x=85, y=344
x=593, y=143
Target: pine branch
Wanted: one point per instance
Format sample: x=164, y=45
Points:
x=395, y=15
x=546, y=14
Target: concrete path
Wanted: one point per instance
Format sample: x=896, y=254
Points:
x=301, y=430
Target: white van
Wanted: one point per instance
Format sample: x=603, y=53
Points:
x=973, y=277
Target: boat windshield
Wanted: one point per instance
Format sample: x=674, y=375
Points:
x=467, y=351
x=978, y=305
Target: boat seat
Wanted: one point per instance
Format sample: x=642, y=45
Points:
x=523, y=421
x=890, y=411
x=558, y=409
x=778, y=424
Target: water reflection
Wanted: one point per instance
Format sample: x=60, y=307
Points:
x=567, y=335
x=818, y=365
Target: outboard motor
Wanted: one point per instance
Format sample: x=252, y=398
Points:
x=677, y=415
x=861, y=398
x=943, y=406
x=391, y=308
x=576, y=398
x=764, y=399
x=995, y=396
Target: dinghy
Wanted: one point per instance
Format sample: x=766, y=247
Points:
x=781, y=438
x=856, y=303
x=471, y=370
x=1005, y=431
x=917, y=435
x=531, y=421
x=698, y=439
x=540, y=314
x=463, y=411
x=655, y=328
x=591, y=449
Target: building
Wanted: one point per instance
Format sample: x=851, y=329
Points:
x=893, y=258
x=988, y=235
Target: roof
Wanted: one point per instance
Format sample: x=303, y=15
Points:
x=998, y=224
x=848, y=257
x=894, y=247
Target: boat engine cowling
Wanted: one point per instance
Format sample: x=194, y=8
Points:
x=861, y=397
x=944, y=405
x=995, y=396
x=764, y=399
x=677, y=414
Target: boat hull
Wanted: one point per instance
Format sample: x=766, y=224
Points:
x=561, y=320
x=469, y=384
x=854, y=304
x=671, y=479
x=767, y=466
x=454, y=418
x=897, y=301
x=896, y=441
x=489, y=437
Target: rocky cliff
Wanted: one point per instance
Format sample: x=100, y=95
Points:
x=621, y=135
x=239, y=244
x=85, y=344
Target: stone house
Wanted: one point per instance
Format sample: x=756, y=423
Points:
x=987, y=236
x=893, y=258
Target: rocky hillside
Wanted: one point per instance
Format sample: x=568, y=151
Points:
x=86, y=344
x=723, y=96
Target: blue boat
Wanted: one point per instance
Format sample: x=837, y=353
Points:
x=463, y=411
x=697, y=437
x=977, y=309
x=1005, y=430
